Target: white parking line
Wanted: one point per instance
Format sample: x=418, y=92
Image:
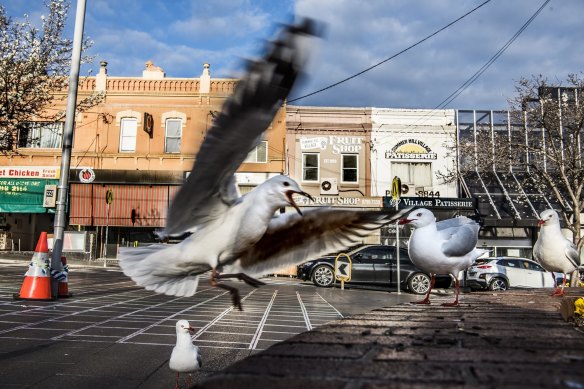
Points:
x=119, y=317
x=304, y=313
x=225, y=312
x=256, y=337
x=123, y=340
x=64, y=316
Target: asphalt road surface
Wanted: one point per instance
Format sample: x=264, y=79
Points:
x=116, y=335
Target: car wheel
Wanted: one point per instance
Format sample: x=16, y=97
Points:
x=323, y=276
x=498, y=284
x=419, y=283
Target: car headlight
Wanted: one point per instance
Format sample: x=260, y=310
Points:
x=307, y=263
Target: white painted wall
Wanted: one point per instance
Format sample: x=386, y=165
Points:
x=434, y=128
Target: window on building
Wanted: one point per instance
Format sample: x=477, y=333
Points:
x=173, y=135
x=417, y=173
x=310, y=167
x=350, y=168
x=258, y=154
x=128, y=130
x=44, y=135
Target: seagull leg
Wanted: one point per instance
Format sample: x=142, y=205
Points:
x=176, y=385
x=242, y=277
x=234, y=292
x=426, y=299
x=559, y=291
x=189, y=378
x=455, y=302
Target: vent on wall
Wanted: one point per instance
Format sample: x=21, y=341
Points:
x=328, y=186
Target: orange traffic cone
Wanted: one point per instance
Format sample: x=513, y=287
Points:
x=37, y=280
x=62, y=276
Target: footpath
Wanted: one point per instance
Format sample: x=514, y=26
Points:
x=511, y=339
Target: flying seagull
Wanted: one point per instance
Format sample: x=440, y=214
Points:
x=553, y=251
x=445, y=247
x=244, y=235
x=185, y=357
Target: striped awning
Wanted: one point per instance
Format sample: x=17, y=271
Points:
x=147, y=204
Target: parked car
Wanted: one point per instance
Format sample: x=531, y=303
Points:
x=373, y=264
x=502, y=273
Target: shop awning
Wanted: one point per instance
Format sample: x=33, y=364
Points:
x=506, y=199
x=132, y=205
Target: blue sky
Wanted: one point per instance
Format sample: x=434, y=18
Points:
x=181, y=35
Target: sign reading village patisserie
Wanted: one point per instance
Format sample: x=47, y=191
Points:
x=431, y=203
x=22, y=188
x=410, y=149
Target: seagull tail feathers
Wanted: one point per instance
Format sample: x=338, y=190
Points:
x=150, y=268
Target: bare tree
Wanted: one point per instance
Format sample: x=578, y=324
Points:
x=34, y=65
x=539, y=142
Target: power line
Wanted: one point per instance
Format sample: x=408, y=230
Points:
x=483, y=68
x=393, y=56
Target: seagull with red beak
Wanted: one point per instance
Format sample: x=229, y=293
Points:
x=446, y=247
x=553, y=251
x=234, y=236
x=185, y=357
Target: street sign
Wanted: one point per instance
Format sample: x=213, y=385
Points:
x=396, y=187
x=109, y=197
x=343, y=266
x=50, y=196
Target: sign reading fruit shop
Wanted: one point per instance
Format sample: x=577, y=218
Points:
x=34, y=172
x=340, y=201
x=337, y=144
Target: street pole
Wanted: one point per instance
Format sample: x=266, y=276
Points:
x=60, y=214
x=395, y=195
x=397, y=249
x=107, y=207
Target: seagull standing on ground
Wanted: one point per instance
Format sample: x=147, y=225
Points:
x=446, y=247
x=185, y=357
x=553, y=251
x=243, y=234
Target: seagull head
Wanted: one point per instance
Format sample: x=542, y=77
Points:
x=183, y=327
x=282, y=188
x=548, y=217
x=419, y=218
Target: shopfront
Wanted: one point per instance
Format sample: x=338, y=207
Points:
x=27, y=204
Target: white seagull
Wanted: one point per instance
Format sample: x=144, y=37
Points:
x=243, y=234
x=185, y=357
x=446, y=247
x=553, y=251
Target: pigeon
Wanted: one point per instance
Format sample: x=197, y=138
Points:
x=446, y=247
x=185, y=357
x=243, y=237
x=553, y=251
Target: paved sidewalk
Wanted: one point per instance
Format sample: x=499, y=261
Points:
x=508, y=339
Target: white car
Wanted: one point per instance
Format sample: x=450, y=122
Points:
x=502, y=273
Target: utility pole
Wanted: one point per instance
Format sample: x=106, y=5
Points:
x=60, y=214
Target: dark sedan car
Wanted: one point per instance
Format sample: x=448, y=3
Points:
x=374, y=264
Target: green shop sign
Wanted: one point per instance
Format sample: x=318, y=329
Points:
x=22, y=195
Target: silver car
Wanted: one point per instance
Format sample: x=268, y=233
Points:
x=502, y=273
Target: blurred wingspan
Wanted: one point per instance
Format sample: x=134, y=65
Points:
x=292, y=239
x=211, y=188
